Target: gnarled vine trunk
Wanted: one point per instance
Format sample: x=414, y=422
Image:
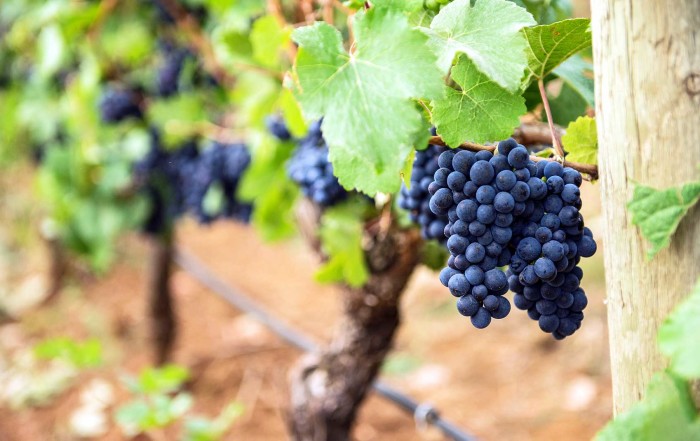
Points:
x=328, y=386
x=647, y=68
x=160, y=303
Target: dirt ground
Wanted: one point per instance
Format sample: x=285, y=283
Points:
x=508, y=382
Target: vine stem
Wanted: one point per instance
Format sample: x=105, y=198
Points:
x=105, y=8
x=545, y=101
x=327, y=11
x=190, y=27
x=589, y=169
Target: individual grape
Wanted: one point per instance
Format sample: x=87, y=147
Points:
x=544, y=268
x=553, y=168
x=475, y=252
x=505, y=180
x=518, y=157
x=481, y=319
x=504, y=202
x=458, y=285
x=468, y=305
x=481, y=172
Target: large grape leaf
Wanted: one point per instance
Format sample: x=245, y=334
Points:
x=480, y=111
x=488, y=32
x=678, y=337
x=549, y=45
x=581, y=141
x=657, y=213
x=666, y=413
x=578, y=74
x=365, y=97
x=341, y=237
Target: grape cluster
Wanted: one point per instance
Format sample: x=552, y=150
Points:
x=505, y=209
x=310, y=168
x=416, y=199
x=177, y=181
x=118, y=104
x=222, y=165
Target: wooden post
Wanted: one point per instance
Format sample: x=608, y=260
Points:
x=647, y=76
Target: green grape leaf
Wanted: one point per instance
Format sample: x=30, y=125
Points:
x=268, y=39
x=481, y=111
x=80, y=354
x=365, y=97
x=434, y=255
x=678, y=337
x=160, y=380
x=255, y=96
x=399, y=5
x=549, y=45
x=127, y=42
x=408, y=169
x=265, y=184
x=292, y=113
x=421, y=17
x=341, y=238
x=657, y=213
x=178, y=116
x=577, y=73
x=567, y=106
x=581, y=141
x=666, y=413
x=488, y=33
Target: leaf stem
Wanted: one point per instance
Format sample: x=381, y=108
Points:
x=555, y=142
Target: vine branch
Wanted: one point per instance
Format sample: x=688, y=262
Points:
x=190, y=27
x=545, y=101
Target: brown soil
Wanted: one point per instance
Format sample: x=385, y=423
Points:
x=508, y=382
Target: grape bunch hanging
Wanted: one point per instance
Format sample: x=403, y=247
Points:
x=180, y=180
x=504, y=210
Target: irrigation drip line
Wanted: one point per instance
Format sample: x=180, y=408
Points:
x=423, y=413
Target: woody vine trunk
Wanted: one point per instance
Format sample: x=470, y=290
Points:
x=328, y=386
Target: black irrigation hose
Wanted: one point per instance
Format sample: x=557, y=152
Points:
x=422, y=412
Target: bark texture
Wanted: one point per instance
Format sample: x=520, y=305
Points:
x=58, y=267
x=160, y=302
x=647, y=76
x=327, y=387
